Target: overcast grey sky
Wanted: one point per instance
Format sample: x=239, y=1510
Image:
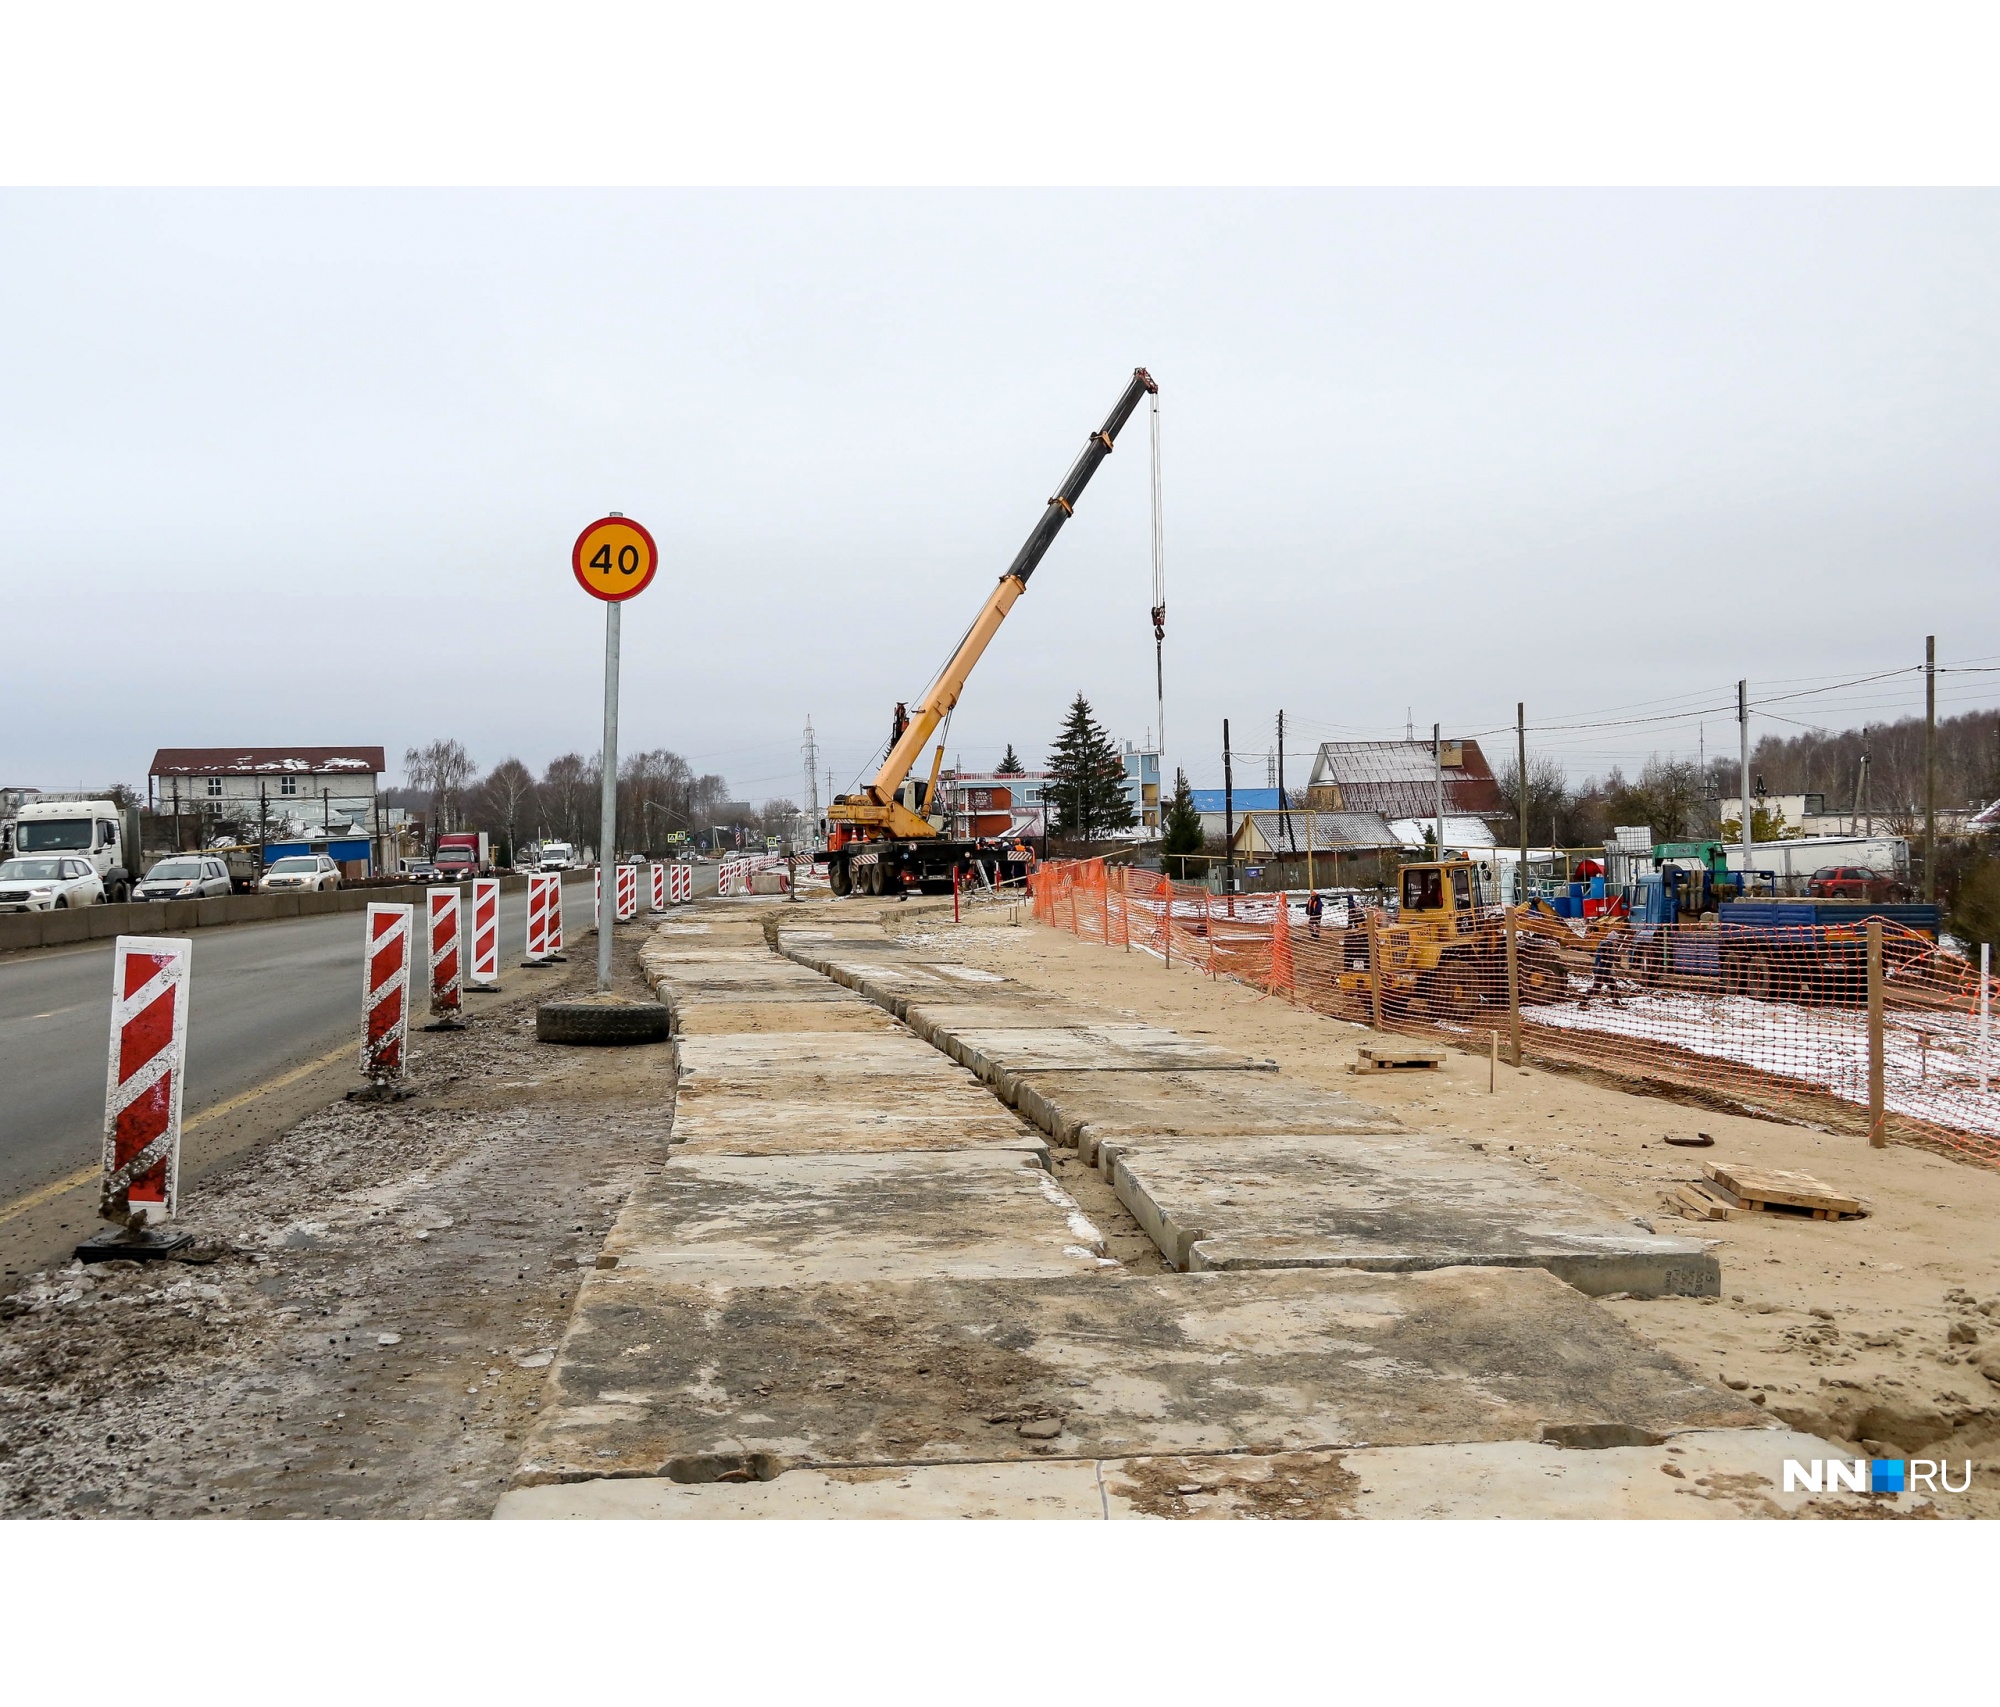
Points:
x=305, y=466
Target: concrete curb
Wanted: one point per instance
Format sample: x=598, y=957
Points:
x=20, y=931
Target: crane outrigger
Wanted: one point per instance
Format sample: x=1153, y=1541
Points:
x=892, y=836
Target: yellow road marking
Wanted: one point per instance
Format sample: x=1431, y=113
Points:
x=83, y=1176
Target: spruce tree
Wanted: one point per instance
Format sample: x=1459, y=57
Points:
x=1086, y=786
x=1011, y=764
x=1182, y=825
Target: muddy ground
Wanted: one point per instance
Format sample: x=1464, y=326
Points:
x=382, y=1290
x=1871, y=1333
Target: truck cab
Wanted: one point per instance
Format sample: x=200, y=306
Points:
x=95, y=831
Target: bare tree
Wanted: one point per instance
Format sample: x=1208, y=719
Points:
x=569, y=799
x=504, y=800
x=444, y=771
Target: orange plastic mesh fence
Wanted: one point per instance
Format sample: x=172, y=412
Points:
x=1760, y=1017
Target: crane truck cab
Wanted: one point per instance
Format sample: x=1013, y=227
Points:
x=98, y=832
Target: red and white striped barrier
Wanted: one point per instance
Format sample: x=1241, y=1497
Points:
x=681, y=886
x=385, y=991
x=144, y=1079
x=544, y=915
x=597, y=898
x=628, y=892
x=485, y=933
x=441, y=909
x=659, y=876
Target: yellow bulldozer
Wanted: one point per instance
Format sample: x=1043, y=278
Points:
x=1445, y=955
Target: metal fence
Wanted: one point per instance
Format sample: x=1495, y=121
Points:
x=1869, y=1028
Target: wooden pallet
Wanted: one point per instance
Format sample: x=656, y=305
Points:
x=1701, y=1201
x=1382, y=1058
x=1733, y=1190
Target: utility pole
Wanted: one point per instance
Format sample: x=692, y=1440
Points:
x=1437, y=767
x=1867, y=811
x=1284, y=800
x=1743, y=771
x=1521, y=762
x=1930, y=767
x=1228, y=815
x=810, y=752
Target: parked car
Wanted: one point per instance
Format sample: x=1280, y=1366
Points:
x=302, y=871
x=42, y=884
x=1855, y=883
x=183, y=878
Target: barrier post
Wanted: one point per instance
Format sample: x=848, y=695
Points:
x=1878, y=1130
x=556, y=918
x=441, y=913
x=385, y=988
x=597, y=897
x=628, y=892
x=144, y=1076
x=1513, y=987
x=1374, y=970
x=1985, y=1009
x=485, y=936
x=544, y=899
x=658, y=873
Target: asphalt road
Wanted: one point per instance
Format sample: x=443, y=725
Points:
x=267, y=998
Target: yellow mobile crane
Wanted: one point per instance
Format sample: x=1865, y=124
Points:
x=892, y=836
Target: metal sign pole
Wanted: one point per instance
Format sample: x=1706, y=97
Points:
x=607, y=835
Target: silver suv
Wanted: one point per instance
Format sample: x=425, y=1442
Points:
x=184, y=877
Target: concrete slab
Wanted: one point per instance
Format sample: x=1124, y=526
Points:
x=1386, y=1202
x=1057, y=1488
x=706, y=954
x=751, y=1056
x=1087, y=1108
x=722, y=1016
x=1017, y=1009
x=661, y=1378
x=1705, y=1474
x=1719, y=1473
x=904, y=1215
x=756, y=1124
x=1002, y=1057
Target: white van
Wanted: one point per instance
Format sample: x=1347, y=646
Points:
x=557, y=856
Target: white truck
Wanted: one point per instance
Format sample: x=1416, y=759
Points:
x=557, y=856
x=99, y=831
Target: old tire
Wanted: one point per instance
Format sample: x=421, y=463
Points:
x=610, y=1023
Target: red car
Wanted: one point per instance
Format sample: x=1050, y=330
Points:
x=1854, y=883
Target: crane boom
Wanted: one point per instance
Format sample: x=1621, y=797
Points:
x=878, y=806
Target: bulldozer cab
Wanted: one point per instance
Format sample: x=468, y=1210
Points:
x=1437, y=891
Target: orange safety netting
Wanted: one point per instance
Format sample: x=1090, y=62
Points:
x=1759, y=1016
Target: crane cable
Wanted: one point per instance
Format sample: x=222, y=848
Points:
x=1159, y=591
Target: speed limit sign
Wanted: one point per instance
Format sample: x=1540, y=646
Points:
x=614, y=559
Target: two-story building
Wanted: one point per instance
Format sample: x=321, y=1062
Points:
x=319, y=798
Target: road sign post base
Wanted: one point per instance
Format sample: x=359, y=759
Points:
x=445, y=1025
x=121, y=1244
x=382, y=1093
x=482, y=989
